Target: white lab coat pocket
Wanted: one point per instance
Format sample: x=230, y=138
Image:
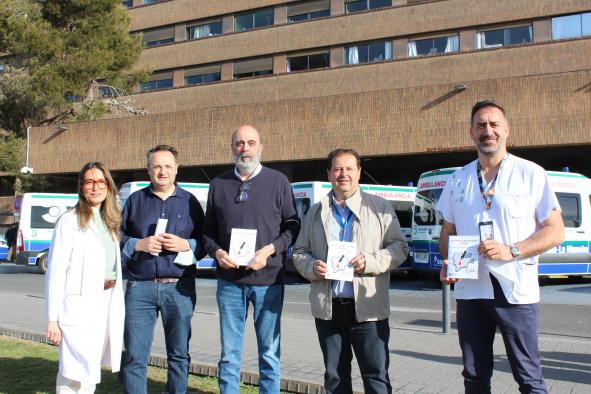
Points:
x=72, y=312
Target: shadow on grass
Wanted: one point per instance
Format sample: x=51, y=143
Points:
x=37, y=375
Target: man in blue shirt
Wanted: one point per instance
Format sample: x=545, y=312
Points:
x=161, y=230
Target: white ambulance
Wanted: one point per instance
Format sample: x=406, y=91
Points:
x=402, y=198
x=38, y=213
x=572, y=257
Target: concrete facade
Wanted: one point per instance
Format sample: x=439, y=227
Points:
x=397, y=107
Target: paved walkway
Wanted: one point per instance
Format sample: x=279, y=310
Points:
x=422, y=359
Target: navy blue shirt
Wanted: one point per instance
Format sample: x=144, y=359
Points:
x=139, y=217
x=269, y=208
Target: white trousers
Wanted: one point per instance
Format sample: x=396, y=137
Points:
x=64, y=385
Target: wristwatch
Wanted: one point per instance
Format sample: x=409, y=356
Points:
x=515, y=252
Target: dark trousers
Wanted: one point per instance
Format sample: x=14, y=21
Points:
x=369, y=341
x=519, y=325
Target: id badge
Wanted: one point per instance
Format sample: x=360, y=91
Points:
x=486, y=230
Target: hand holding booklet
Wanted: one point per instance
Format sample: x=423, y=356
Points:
x=462, y=262
x=337, y=260
x=242, y=245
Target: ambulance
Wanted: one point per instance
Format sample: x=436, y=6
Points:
x=38, y=214
x=402, y=198
x=199, y=190
x=572, y=257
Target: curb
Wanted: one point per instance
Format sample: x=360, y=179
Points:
x=195, y=368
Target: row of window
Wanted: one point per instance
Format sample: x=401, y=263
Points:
x=562, y=27
x=253, y=19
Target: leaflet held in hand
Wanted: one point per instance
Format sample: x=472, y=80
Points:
x=337, y=260
x=160, y=228
x=242, y=245
x=462, y=260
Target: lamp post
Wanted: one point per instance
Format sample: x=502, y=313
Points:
x=26, y=169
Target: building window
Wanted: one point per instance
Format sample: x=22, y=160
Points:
x=127, y=3
x=157, y=81
x=362, y=5
x=571, y=26
x=308, y=61
x=151, y=1
x=201, y=75
x=504, y=37
x=252, y=20
x=369, y=52
x=151, y=38
x=253, y=68
x=203, y=30
x=308, y=10
x=433, y=46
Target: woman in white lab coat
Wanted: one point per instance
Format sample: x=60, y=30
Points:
x=85, y=305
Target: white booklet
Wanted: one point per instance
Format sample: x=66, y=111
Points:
x=337, y=260
x=242, y=245
x=462, y=262
x=160, y=228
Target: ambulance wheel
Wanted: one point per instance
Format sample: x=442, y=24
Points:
x=42, y=263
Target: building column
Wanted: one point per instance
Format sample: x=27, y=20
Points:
x=400, y=48
x=337, y=56
x=467, y=40
x=542, y=30
x=228, y=24
x=280, y=15
x=227, y=71
x=337, y=7
x=180, y=32
x=178, y=78
x=280, y=64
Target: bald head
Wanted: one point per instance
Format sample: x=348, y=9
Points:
x=246, y=148
x=245, y=129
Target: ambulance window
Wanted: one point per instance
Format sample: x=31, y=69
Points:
x=571, y=209
x=302, y=206
x=404, y=212
x=45, y=217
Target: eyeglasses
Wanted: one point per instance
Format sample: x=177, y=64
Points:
x=100, y=184
x=242, y=195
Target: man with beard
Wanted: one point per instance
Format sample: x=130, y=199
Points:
x=250, y=197
x=514, y=197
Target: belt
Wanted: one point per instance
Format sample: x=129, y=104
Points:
x=166, y=280
x=109, y=284
x=343, y=301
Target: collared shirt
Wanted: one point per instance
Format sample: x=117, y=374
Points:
x=523, y=199
x=108, y=245
x=254, y=173
x=139, y=217
x=341, y=229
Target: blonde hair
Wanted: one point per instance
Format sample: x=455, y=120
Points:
x=110, y=212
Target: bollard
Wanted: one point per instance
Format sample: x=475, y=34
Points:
x=445, y=289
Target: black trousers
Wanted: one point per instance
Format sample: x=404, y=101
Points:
x=519, y=325
x=369, y=340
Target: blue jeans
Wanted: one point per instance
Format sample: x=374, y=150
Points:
x=477, y=323
x=143, y=301
x=233, y=299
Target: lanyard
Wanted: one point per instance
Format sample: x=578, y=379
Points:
x=489, y=194
x=343, y=222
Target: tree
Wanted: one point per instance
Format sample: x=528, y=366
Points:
x=55, y=50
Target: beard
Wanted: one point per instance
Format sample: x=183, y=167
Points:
x=249, y=166
x=490, y=149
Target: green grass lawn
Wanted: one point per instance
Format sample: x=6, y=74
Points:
x=30, y=367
